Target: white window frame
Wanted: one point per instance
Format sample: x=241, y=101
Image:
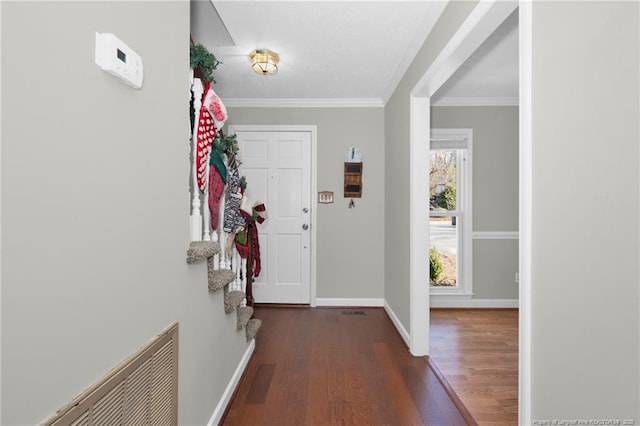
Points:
x=459, y=139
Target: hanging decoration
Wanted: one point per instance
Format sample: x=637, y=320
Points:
x=222, y=145
x=256, y=213
x=215, y=107
x=219, y=153
x=213, y=115
x=202, y=62
x=233, y=220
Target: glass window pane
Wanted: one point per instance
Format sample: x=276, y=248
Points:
x=443, y=251
x=442, y=180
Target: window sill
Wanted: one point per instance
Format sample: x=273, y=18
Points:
x=450, y=295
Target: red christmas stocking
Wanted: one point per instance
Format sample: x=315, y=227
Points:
x=206, y=131
x=216, y=188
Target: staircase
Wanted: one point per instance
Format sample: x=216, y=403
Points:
x=221, y=279
x=226, y=268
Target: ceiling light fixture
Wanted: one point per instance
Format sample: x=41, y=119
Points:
x=264, y=62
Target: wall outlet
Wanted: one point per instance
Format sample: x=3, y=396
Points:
x=517, y=277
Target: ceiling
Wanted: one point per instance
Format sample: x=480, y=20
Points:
x=339, y=52
x=490, y=75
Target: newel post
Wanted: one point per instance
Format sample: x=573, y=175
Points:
x=196, y=215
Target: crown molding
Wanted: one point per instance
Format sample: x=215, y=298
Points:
x=304, y=103
x=469, y=101
x=358, y=102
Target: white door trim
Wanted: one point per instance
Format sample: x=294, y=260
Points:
x=482, y=21
x=314, y=200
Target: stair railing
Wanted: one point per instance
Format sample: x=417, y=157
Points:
x=200, y=219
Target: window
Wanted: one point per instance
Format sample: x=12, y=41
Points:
x=450, y=211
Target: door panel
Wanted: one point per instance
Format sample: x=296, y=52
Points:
x=277, y=166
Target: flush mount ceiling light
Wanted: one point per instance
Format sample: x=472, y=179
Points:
x=264, y=62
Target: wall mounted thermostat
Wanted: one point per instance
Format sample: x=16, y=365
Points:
x=118, y=59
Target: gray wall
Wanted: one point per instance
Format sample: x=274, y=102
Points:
x=585, y=305
x=350, y=246
x=396, y=225
x=495, y=192
x=94, y=219
x=495, y=263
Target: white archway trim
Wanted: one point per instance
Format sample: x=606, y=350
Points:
x=480, y=24
x=482, y=21
x=419, y=225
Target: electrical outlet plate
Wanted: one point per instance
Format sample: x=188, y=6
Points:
x=325, y=197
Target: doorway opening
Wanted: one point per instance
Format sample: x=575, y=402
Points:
x=480, y=24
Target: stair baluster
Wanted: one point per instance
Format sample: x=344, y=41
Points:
x=206, y=235
x=196, y=216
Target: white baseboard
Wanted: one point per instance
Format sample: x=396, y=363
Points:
x=231, y=387
x=349, y=302
x=394, y=319
x=443, y=302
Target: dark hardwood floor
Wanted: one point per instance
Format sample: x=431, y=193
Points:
x=334, y=366
x=477, y=352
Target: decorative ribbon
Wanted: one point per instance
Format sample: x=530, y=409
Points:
x=256, y=213
x=260, y=211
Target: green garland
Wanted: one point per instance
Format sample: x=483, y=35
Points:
x=226, y=144
x=204, y=60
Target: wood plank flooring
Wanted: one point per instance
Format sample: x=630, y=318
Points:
x=334, y=366
x=477, y=352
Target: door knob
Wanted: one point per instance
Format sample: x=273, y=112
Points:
x=305, y=226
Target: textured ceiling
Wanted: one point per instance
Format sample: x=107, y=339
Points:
x=354, y=51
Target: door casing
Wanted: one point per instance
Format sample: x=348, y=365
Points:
x=313, y=130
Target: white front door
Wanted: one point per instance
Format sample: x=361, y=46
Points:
x=277, y=166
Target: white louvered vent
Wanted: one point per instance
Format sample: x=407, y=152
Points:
x=141, y=390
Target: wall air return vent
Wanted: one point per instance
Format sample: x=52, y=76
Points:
x=141, y=390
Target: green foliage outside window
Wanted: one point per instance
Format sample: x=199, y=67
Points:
x=447, y=198
x=435, y=265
